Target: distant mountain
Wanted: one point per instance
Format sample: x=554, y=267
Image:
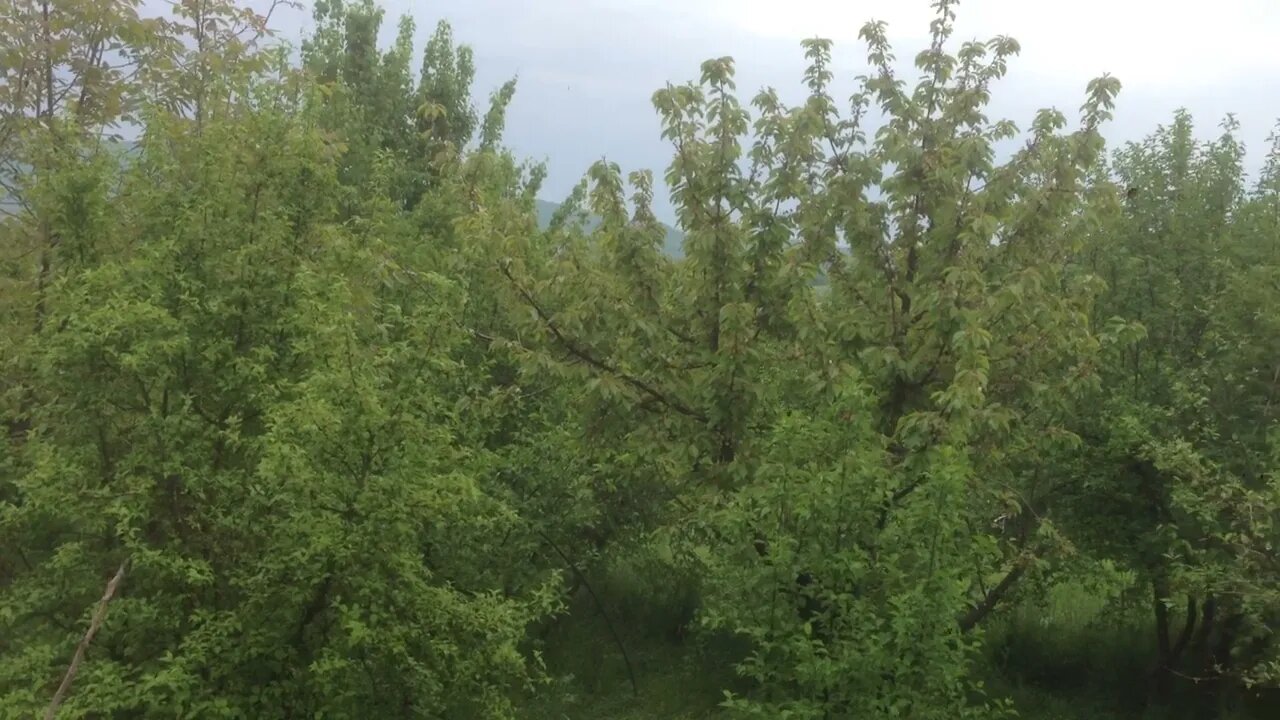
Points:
x=672, y=244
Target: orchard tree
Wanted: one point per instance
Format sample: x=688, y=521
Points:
x=869, y=458
x=418, y=162
x=377, y=105
x=253, y=416
x=1177, y=479
x=77, y=76
x=70, y=72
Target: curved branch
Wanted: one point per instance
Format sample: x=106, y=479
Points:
x=585, y=356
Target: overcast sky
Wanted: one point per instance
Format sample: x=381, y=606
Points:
x=588, y=68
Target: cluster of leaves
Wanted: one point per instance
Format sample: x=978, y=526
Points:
x=300, y=364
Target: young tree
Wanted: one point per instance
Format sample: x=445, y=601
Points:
x=1175, y=482
x=254, y=408
x=70, y=73
x=844, y=453
x=376, y=104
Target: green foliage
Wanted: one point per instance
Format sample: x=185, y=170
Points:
x=903, y=430
x=234, y=398
x=1176, y=480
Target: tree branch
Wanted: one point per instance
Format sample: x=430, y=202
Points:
x=99, y=615
x=990, y=600
x=582, y=354
x=582, y=580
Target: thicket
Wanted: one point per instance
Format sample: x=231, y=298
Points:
x=914, y=429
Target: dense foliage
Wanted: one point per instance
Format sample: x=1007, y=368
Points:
x=292, y=372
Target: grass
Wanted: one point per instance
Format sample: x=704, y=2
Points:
x=674, y=679
x=677, y=675
x=1083, y=654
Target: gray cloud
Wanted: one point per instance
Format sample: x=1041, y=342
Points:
x=588, y=68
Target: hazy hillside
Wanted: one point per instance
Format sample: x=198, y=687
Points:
x=673, y=245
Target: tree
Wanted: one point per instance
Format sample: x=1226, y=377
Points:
x=1178, y=461
x=378, y=106
x=255, y=407
x=71, y=73
x=922, y=389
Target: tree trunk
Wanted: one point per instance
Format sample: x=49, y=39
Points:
x=1162, y=676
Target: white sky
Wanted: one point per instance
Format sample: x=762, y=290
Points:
x=1153, y=43
x=589, y=67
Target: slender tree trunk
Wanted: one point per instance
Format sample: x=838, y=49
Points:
x=47, y=240
x=1162, y=677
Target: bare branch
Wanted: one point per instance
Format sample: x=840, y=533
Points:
x=99, y=615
